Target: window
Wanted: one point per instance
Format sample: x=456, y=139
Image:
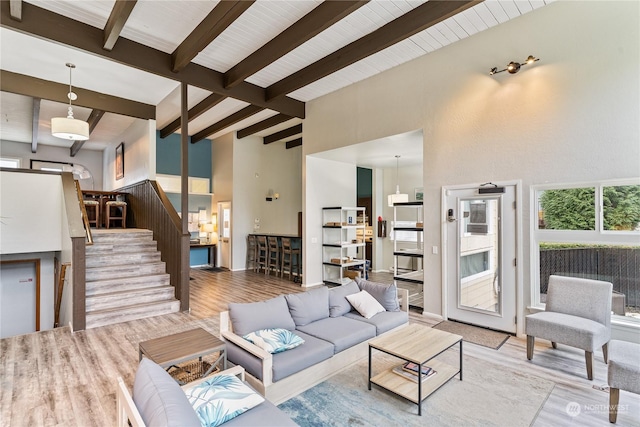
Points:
x=474, y=264
x=10, y=162
x=590, y=231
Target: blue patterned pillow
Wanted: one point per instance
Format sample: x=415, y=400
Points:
x=274, y=340
x=221, y=398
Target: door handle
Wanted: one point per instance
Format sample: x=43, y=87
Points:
x=450, y=216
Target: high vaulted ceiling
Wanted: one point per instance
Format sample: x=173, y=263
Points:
x=250, y=66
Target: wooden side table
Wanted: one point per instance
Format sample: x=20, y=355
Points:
x=171, y=350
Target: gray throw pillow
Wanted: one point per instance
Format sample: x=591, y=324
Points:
x=307, y=307
x=254, y=316
x=387, y=295
x=159, y=399
x=338, y=303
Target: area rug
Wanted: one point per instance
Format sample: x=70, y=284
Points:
x=474, y=334
x=489, y=395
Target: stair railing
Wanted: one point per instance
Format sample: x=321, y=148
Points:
x=85, y=217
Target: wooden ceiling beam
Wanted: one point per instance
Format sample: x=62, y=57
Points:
x=52, y=26
x=285, y=133
x=401, y=28
x=222, y=15
x=93, y=120
x=262, y=125
x=34, y=124
x=294, y=143
x=246, y=112
x=309, y=26
x=117, y=19
x=45, y=89
x=203, y=106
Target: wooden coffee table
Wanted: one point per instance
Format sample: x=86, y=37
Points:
x=418, y=344
x=171, y=350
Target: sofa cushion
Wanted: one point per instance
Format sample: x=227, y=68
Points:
x=338, y=304
x=250, y=317
x=340, y=331
x=387, y=295
x=159, y=398
x=221, y=398
x=274, y=340
x=384, y=321
x=307, y=307
x=265, y=414
x=288, y=362
x=365, y=304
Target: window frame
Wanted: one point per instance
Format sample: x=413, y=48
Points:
x=597, y=236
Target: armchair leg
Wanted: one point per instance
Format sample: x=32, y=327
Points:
x=554, y=345
x=614, y=398
x=588, y=356
x=605, y=352
x=530, y=342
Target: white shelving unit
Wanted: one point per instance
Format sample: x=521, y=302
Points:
x=343, y=244
x=408, y=248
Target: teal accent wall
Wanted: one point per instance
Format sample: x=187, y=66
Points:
x=168, y=156
x=364, y=183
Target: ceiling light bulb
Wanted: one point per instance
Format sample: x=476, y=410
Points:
x=513, y=67
x=531, y=59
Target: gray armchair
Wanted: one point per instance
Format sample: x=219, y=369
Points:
x=578, y=314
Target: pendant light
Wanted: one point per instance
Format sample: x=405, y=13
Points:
x=68, y=127
x=397, y=197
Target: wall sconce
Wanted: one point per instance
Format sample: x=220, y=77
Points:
x=272, y=196
x=514, y=67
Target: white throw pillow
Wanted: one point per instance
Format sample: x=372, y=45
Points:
x=365, y=304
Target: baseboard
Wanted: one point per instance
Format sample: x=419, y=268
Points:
x=433, y=316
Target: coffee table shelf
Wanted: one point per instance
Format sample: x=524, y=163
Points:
x=421, y=345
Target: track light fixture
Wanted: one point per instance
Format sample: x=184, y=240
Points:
x=514, y=67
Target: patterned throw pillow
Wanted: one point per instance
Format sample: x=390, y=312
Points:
x=221, y=398
x=274, y=340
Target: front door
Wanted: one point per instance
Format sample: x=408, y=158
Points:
x=481, y=272
x=224, y=240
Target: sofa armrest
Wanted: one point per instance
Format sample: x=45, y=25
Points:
x=403, y=298
x=127, y=410
x=267, y=358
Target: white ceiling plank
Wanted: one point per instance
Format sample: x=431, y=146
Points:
x=496, y=9
x=454, y=26
x=524, y=6
x=444, y=29
x=475, y=19
x=485, y=14
x=510, y=8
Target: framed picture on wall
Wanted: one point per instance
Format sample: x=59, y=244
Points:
x=419, y=192
x=120, y=161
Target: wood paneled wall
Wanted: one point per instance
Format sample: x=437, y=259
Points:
x=148, y=207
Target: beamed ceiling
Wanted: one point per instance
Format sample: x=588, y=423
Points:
x=250, y=66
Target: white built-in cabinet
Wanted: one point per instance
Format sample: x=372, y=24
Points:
x=343, y=245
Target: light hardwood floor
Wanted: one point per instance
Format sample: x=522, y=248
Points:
x=61, y=378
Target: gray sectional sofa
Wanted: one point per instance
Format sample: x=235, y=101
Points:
x=158, y=401
x=335, y=336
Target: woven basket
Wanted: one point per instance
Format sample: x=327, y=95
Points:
x=189, y=371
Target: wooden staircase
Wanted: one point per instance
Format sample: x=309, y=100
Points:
x=125, y=278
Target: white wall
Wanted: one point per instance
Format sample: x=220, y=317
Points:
x=139, y=155
x=572, y=116
x=91, y=159
x=243, y=172
x=334, y=184
x=25, y=227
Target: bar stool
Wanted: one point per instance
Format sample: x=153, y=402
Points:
x=273, y=257
x=92, y=206
x=287, y=260
x=252, y=248
x=261, y=254
x=116, y=210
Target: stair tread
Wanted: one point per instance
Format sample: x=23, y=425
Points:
x=129, y=291
x=130, y=307
x=112, y=266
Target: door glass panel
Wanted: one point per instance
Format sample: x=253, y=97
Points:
x=479, y=255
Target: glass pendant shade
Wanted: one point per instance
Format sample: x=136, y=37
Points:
x=69, y=128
